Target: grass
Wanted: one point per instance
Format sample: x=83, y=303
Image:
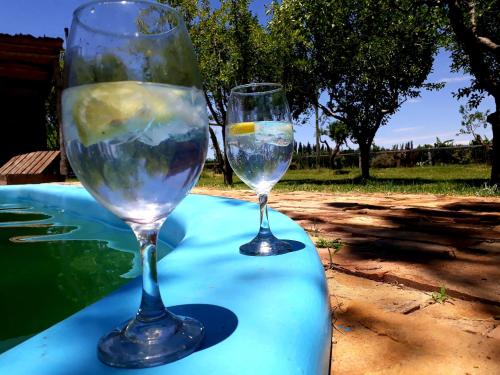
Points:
x=333, y=247
x=441, y=296
x=471, y=179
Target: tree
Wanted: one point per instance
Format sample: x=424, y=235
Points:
x=475, y=28
x=387, y=55
x=338, y=132
x=232, y=48
x=371, y=56
x=296, y=54
x=472, y=120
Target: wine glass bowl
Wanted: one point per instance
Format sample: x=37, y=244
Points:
x=135, y=130
x=259, y=144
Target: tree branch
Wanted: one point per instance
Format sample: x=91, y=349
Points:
x=488, y=43
x=220, y=105
x=471, y=45
x=218, y=153
x=326, y=144
x=331, y=113
x=212, y=110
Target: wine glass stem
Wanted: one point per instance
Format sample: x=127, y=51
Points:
x=152, y=306
x=264, y=220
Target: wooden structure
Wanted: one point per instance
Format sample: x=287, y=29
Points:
x=33, y=167
x=29, y=68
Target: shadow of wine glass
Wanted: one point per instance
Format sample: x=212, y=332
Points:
x=296, y=245
x=218, y=321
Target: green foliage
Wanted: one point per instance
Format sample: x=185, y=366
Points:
x=51, y=121
x=474, y=34
x=335, y=245
x=441, y=296
x=338, y=131
x=472, y=120
x=384, y=160
x=445, y=143
x=107, y=68
x=369, y=56
x=232, y=48
x=481, y=20
x=296, y=55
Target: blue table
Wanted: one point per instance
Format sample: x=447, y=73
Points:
x=263, y=315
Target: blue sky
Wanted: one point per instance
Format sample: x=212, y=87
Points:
x=434, y=114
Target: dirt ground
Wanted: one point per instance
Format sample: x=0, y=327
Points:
x=399, y=249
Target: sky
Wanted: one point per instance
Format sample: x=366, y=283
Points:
x=434, y=114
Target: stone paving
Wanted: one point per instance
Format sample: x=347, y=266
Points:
x=398, y=250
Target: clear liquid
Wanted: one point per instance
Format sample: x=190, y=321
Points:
x=262, y=157
x=138, y=155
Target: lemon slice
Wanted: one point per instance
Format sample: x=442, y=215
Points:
x=103, y=111
x=242, y=128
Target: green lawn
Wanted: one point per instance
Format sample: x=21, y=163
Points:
x=469, y=179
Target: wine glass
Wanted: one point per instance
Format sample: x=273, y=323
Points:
x=259, y=144
x=136, y=134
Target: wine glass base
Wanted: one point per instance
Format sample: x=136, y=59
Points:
x=265, y=246
x=139, y=344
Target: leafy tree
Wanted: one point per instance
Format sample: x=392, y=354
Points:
x=297, y=56
x=387, y=56
x=472, y=120
x=338, y=132
x=371, y=56
x=232, y=48
x=308, y=149
x=474, y=26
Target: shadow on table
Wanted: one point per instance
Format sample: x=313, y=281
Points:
x=219, y=322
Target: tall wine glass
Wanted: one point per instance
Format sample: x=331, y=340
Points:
x=136, y=131
x=259, y=144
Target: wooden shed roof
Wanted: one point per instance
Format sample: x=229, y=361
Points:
x=27, y=58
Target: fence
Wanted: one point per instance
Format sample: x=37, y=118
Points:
x=394, y=158
x=400, y=158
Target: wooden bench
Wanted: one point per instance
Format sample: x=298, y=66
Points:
x=31, y=168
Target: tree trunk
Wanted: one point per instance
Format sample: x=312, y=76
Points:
x=228, y=171
x=219, y=160
x=494, y=120
x=316, y=123
x=364, y=153
x=333, y=154
x=63, y=159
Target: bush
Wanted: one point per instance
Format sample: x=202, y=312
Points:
x=384, y=161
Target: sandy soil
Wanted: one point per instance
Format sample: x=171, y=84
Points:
x=398, y=250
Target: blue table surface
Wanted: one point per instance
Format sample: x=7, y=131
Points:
x=263, y=315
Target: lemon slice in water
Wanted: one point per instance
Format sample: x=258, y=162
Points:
x=242, y=128
x=106, y=110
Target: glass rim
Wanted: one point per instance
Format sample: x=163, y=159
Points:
x=272, y=88
x=166, y=7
